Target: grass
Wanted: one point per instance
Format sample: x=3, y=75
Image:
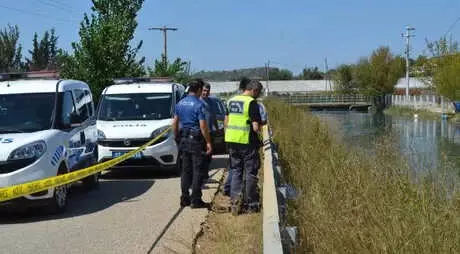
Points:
x=228, y=234
x=352, y=202
x=409, y=112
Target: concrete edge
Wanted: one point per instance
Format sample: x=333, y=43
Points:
x=272, y=242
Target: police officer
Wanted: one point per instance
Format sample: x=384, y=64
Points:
x=194, y=143
x=241, y=133
x=263, y=115
x=211, y=119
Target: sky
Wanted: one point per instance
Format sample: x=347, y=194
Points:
x=231, y=34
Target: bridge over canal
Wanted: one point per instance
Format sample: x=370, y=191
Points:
x=329, y=101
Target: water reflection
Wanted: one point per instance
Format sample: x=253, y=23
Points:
x=431, y=146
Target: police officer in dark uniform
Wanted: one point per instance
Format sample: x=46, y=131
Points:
x=194, y=143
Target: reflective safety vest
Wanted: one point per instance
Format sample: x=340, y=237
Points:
x=239, y=125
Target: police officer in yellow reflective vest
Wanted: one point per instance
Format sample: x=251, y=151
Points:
x=241, y=133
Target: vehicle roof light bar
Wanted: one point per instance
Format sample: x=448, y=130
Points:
x=29, y=75
x=119, y=81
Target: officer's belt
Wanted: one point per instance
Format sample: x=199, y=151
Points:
x=191, y=134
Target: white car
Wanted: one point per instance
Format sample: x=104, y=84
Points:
x=47, y=128
x=131, y=113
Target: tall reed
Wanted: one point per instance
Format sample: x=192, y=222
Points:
x=355, y=202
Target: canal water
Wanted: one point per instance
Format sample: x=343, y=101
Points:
x=429, y=146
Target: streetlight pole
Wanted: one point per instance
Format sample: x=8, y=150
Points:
x=408, y=35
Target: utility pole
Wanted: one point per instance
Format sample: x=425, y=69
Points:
x=408, y=35
x=165, y=30
x=267, y=71
x=326, y=74
x=188, y=68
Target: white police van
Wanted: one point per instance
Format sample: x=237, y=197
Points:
x=132, y=112
x=47, y=128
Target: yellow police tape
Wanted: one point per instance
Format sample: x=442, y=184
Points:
x=15, y=191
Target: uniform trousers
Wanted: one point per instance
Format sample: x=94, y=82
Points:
x=192, y=152
x=244, y=161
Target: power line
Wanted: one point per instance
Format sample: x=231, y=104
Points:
x=57, y=6
x=36, y=14
x=61, y=3
x=451, y=26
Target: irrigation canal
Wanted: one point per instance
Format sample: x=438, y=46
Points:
x=430, y=146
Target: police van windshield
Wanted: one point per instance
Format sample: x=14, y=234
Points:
x=141, y=106
x=27, y=112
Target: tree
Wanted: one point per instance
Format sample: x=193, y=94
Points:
x=344, y=79
x=446, y=78
x=422, y=67
x=10, y=50
x=43, y=53
x=312, y=74
x=178, y=70
x=104, y=50
x=378, y=74
x=280, y=74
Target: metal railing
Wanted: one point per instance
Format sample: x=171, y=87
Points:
x=434, y=103
x=277, y=236
x=326, y=98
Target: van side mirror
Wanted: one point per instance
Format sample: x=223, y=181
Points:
x=75, y=120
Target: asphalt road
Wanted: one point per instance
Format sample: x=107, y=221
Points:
x=131, y=212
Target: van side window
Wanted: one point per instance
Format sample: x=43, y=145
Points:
x=82, y=101
x=68, y=108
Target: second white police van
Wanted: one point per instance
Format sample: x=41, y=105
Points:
x=132, y=112
x=47, y=128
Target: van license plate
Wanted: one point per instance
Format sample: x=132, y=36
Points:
x=135, y=156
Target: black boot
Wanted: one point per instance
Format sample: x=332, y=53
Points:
x=184, y=201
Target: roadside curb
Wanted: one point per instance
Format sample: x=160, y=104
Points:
x=202, y=225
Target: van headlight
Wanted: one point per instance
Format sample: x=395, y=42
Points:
x=158, y=131
x=100, y=134
x=30, y=151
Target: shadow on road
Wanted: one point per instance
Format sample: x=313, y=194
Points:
x=83, y=202
x=139, y=173
x=121, y=185
x=165, y=229
x=219, y=162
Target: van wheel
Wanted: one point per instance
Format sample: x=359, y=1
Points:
x=92, y=181
x=60, y=195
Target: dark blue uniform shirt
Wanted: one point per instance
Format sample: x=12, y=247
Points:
x=210, y=106
x=190, y=111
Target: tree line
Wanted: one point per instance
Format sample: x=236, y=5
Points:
x=104, y=50
x=378, y=73
x=274, y=73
